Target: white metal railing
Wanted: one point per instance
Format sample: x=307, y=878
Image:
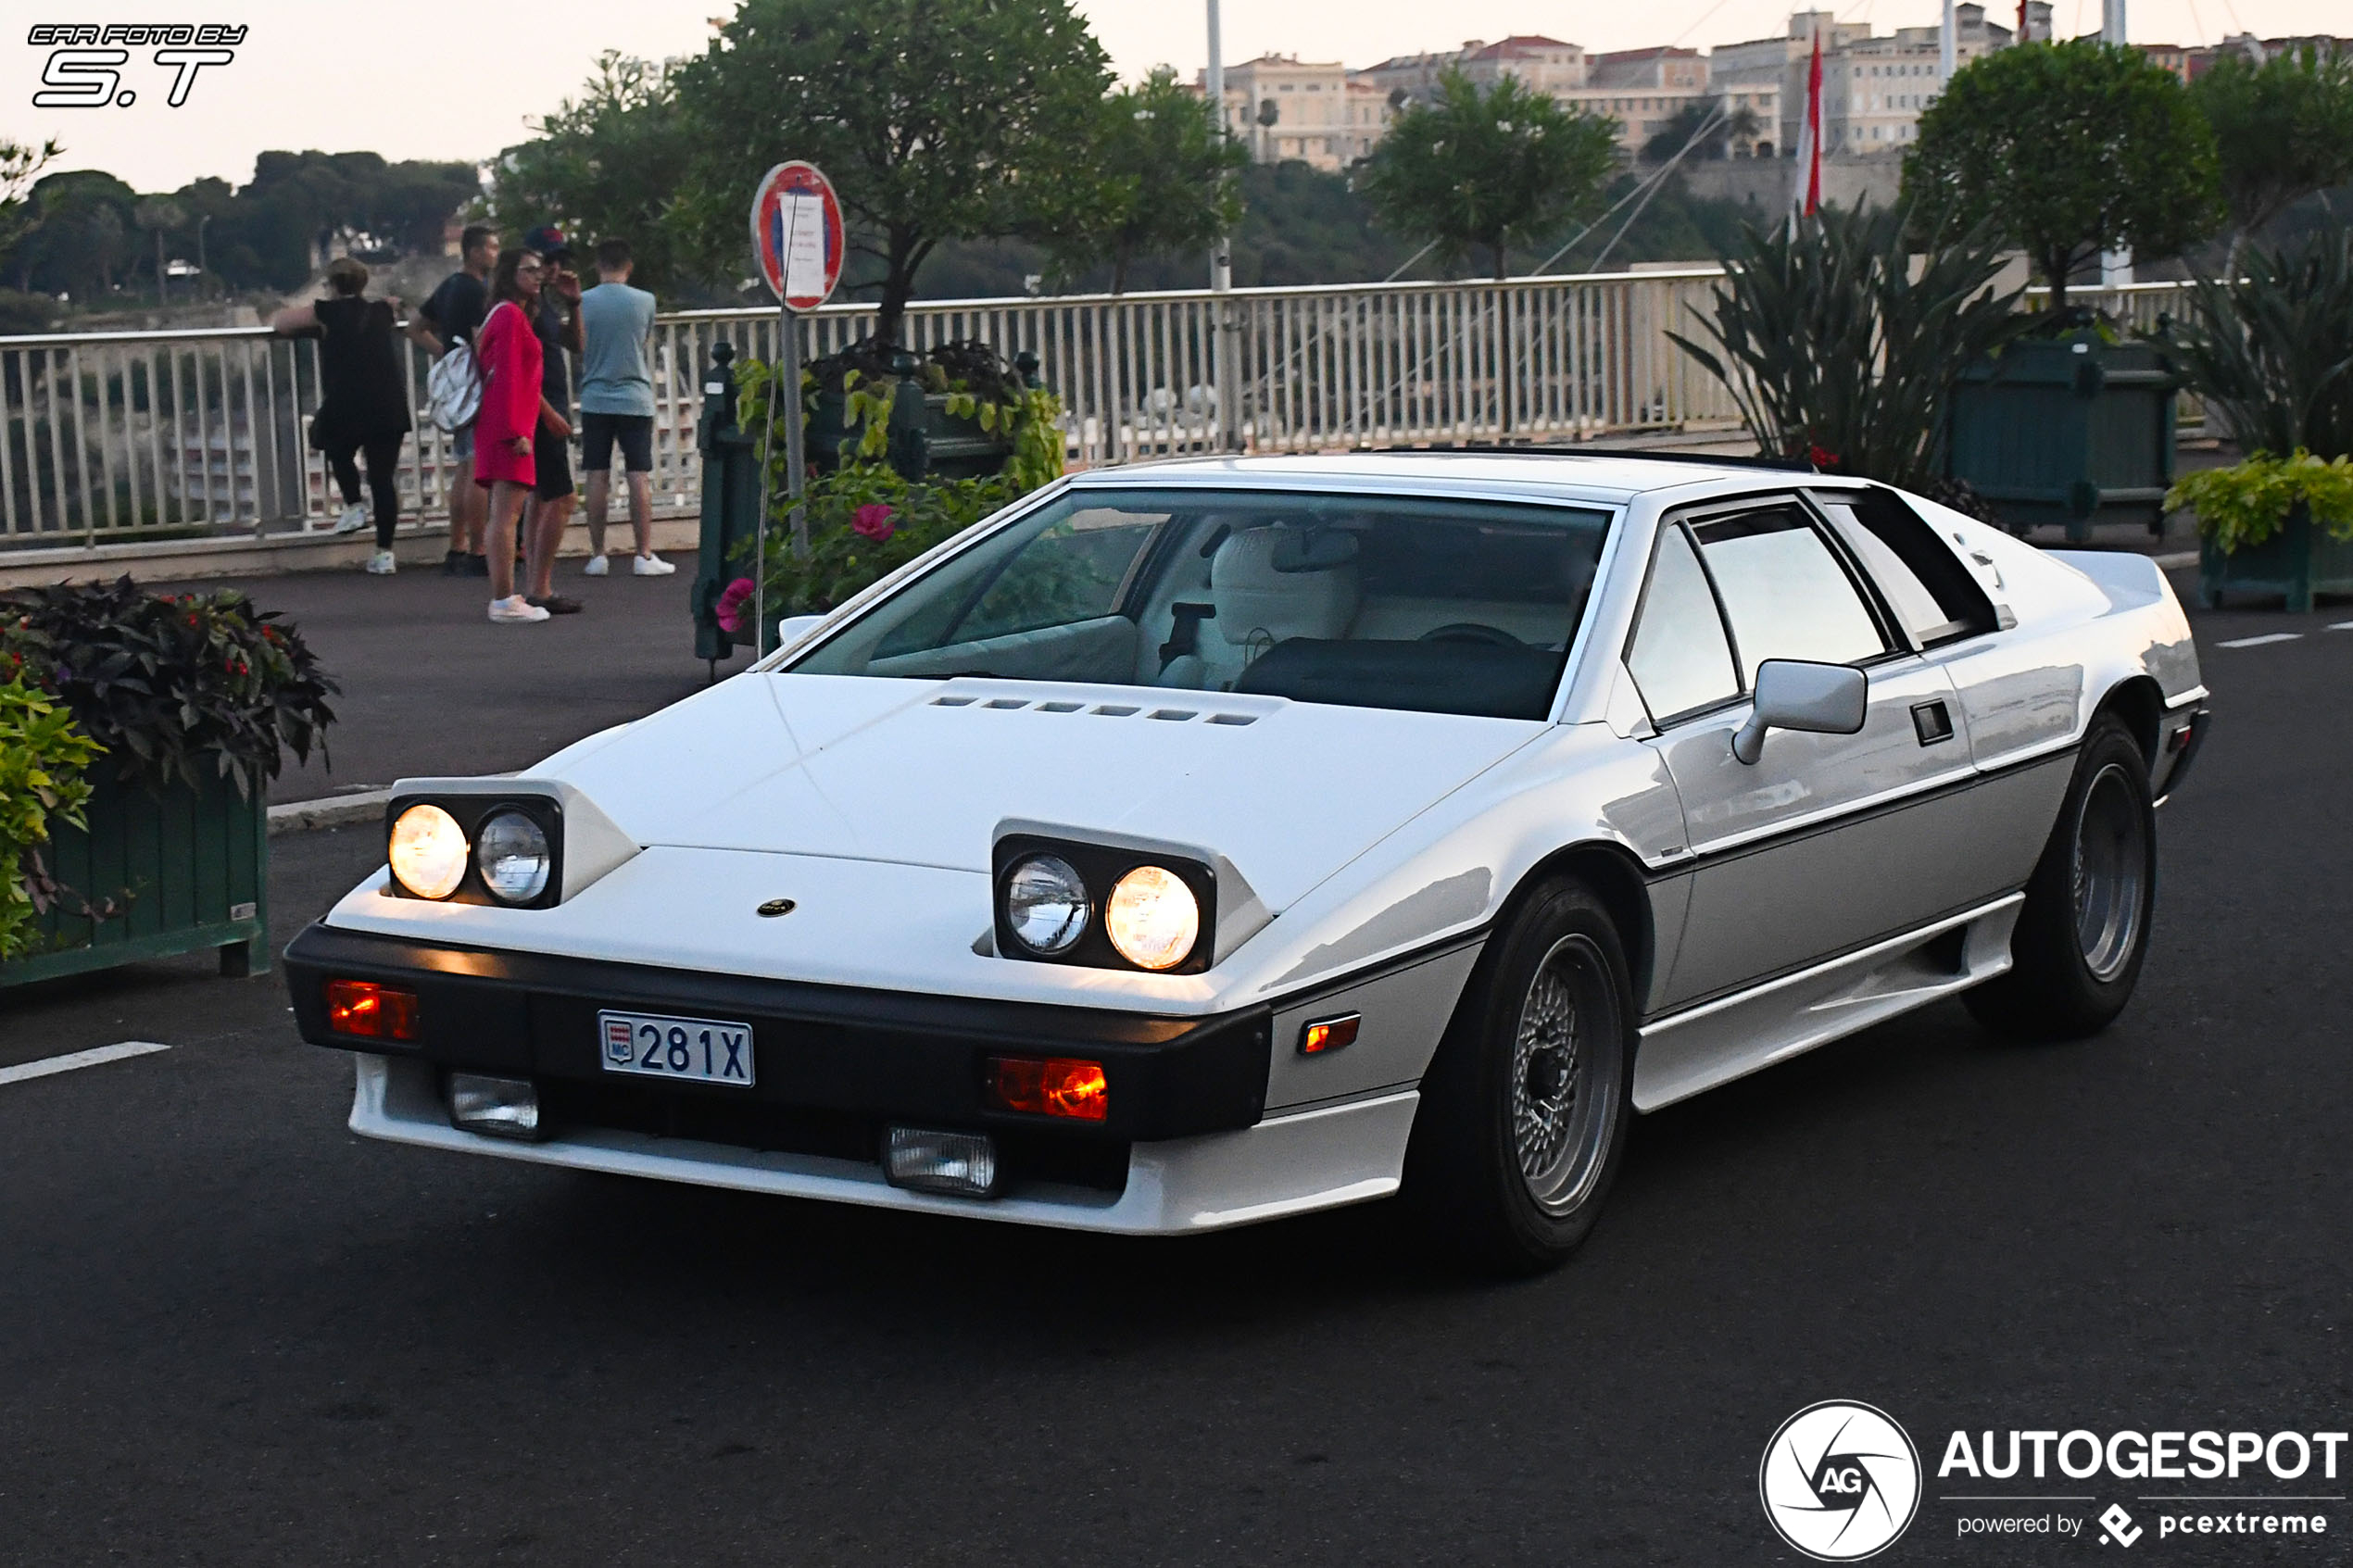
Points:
x=124, y=435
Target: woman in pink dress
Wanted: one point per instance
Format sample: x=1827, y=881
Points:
x=508, y=353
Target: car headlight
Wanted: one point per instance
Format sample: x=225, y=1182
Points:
x=514, y=857
x=428, y=851
x=1152, y=917
x=1137, y=905
x=1046, y=905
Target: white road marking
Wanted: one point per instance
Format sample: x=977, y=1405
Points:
x=2341, y=626
x=93, y=1058
x=2258, y=642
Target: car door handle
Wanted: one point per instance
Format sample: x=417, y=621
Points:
x=1931, y=722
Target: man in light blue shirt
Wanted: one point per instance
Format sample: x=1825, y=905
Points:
x=617, y=405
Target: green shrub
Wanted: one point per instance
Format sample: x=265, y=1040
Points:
x=42, y=756
x=864, y=520
x=2270, y=351
x=2246, y=504
x=176, y=688
x=1833, y=350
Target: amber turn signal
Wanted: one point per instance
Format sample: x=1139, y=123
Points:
x=1049, y=1086
x=371, y=1012
x=1329, y=1034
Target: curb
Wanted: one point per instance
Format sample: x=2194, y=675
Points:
x=334, y=811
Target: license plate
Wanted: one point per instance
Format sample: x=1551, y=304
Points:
x=700, y=1050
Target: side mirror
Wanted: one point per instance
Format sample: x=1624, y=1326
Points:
x=1827, y=699
x=792, y=628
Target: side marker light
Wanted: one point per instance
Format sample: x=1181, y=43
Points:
x=1328, y=1034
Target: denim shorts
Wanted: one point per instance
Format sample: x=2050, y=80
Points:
x=461, y=446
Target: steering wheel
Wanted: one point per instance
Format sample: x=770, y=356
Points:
x=1472, y=631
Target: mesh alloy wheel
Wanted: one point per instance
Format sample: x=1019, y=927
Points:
x=1564, y=1087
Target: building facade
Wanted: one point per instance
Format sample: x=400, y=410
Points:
x=1284, y=108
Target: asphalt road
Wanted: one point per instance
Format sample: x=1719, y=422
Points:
x=431, y=686
x=233, y=1334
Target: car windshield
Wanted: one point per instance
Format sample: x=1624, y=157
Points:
x=1437, y=606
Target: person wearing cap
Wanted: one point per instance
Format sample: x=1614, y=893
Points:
x=363, y=408
x=556, y=321
x=451, y=315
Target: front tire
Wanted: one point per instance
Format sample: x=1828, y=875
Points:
x=1524, y=1110
x=2083, y=932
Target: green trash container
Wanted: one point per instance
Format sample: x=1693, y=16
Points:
x=2068, y=431
x=730, y=507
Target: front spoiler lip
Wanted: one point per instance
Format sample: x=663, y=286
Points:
x=887, y=1054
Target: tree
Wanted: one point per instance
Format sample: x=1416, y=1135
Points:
x=1158, y=176
x=2282, y=130
x=21, y=165
x=79, y=238
x=1709, y=122
x=607, y=165
x=934, y=119
x=2071, y=148
x=1483, y=171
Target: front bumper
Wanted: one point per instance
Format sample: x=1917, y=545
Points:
x=1182, y=1148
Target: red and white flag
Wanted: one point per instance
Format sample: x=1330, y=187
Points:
x=1805, y=194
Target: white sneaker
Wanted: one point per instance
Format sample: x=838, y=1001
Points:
x=650, y=566
x=597, y=566
x=381, y=564
x=517, y=610
x=354, y=519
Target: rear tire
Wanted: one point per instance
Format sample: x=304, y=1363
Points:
x=2084, y=933
x=1524, y=1110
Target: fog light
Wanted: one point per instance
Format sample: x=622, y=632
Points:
x=505, y=1108
x=371, y=1012
x=960, y=1163
x=1052, y=1086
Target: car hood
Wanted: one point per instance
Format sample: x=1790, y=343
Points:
x=920, y=773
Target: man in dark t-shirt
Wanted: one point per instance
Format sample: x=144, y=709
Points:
x=453, y=314
x=557, y=321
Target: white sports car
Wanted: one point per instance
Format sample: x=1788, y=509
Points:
x=1201, y=843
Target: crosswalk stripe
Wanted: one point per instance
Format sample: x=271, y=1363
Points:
x=2258, y=642
x=95, y=1056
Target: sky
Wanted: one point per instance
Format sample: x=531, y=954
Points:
x=461, y=79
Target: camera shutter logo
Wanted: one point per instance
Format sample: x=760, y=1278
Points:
x=1841, y=1481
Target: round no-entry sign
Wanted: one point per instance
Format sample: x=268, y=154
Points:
x=795, y=235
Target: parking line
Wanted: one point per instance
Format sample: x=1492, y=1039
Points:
x=2258, y=642
x=95, y=1056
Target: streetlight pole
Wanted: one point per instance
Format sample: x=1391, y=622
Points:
x=1944, y=48
x=1226, y=332
x=2116, y=266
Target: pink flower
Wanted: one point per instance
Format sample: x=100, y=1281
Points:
x=873, y=521
x=734, y=608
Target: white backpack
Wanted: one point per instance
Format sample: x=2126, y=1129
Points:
x=453, y=388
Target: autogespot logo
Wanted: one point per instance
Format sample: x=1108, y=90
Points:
x=1840, y=1481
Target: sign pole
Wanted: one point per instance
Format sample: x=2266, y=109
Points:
x=795, y=435
x=797, y=241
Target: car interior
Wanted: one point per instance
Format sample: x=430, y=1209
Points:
x=1434, y=606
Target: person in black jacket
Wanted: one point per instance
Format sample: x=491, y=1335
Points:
x=363, y=403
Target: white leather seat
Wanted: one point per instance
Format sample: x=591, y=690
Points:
x=1258, y=606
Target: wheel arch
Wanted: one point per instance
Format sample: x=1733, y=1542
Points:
x=1617, y=880
x=2139, y=701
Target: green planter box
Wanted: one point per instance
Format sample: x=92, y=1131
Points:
x=190, y=867
x=2068, y=431
x=2298, y=561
